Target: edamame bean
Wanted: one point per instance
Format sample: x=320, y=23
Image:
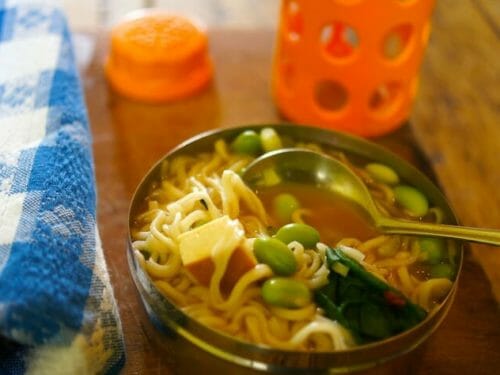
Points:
x=382, y=173
x=287, y=293
x=276, y=255
x=411, y=199
x=303, y=233
x=433, y=248
x=442, y=270
x=284, y=205
x=247, y=142
x=270, y=140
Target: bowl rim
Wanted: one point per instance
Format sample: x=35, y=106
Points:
x=241, y=350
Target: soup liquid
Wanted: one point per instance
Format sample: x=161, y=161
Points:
x=333, y=216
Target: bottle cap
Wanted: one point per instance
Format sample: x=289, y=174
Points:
x=158, y=56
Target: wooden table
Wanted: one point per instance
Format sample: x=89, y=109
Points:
x=454, y=134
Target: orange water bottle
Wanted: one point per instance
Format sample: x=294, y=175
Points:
x=350, y=65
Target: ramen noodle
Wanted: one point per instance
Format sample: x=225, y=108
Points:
x=219, y=250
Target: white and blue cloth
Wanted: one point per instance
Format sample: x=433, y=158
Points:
x=57, y=309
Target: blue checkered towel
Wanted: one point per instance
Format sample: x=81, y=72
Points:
x=57, y=309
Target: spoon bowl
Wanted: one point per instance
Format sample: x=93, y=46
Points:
x=310, y=167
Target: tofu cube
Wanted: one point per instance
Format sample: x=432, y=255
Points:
x=200, y=246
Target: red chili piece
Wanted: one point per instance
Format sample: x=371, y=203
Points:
x=394, y=299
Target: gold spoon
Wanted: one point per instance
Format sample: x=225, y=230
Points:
x=310, y=167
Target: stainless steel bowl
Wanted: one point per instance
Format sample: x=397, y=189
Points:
x=186, y=334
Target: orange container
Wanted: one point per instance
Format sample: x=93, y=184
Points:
x=157, y=56
x=350, y=65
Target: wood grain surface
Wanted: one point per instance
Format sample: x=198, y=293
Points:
x=456, y=119
x=454, y=124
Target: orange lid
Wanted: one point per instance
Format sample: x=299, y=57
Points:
x=157, y=56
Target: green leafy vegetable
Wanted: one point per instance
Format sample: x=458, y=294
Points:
x=366, y=305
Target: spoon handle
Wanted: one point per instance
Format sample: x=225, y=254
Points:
x=480, y=235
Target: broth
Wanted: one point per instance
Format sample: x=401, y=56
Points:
x=333, y=216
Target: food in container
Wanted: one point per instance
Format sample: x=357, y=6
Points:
x=288, y=267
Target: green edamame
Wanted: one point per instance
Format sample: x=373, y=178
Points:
x=287, y=293
x=248, y=143
x=411, y=199
x=276, y=255
x=270, y=140
x=382, y=173
x=284, y=205
x=433, y=248
x=303, y=233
